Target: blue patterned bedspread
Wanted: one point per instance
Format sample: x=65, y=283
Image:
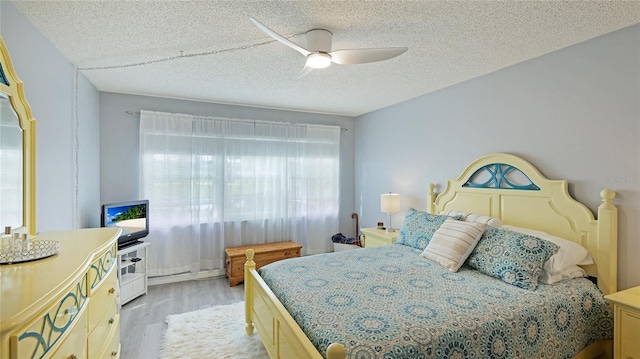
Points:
x=387, y=302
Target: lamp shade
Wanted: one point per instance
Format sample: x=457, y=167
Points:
x=390, y=202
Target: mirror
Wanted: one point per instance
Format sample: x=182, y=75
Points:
x=11, y=176
x=17, y=151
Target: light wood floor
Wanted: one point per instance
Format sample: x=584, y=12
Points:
x=142, y=324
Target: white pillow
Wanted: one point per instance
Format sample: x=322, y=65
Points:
x=547, y=277
x=478, y=218
x=453, y=242
x=564, y=263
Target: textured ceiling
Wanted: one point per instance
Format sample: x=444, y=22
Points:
x=210, y=51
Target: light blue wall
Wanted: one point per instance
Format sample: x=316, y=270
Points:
x=574, y=113
x=88, y=146
x=119, y=142
x=49, y=83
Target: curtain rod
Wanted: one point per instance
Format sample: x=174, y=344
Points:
x=133, y=113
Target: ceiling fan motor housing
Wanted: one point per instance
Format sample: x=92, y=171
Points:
x=319, y=40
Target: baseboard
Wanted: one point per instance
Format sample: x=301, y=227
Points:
x=185, y=277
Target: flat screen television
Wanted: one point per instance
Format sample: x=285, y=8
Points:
x=132, y=217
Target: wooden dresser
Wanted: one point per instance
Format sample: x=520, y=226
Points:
x=64, y=306
x=264, y=254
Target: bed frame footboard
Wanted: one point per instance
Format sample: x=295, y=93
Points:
x=280, y=334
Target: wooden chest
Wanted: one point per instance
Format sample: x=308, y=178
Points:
x=264, y=254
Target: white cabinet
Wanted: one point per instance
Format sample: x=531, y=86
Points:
x=132, y=271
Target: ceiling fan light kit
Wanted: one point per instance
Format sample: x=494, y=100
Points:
x=318, y=60
x=319, y=54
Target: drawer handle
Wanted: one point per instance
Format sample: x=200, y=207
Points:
x=111, y=320
x=69, y=311
x=114, y=353
x=72, y=356
x=287, y=253
x=112, y=290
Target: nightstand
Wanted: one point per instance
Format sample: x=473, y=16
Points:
x=374, y=237
x=626, y=327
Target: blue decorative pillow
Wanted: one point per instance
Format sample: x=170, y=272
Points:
x=418, y=228
x=512, y=257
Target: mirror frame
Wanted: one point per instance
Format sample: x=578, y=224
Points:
x=15, y=92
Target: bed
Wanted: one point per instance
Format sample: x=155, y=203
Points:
x=450, y=305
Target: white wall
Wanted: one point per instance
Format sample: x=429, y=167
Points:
x=119, y=144
x=574, y=113
x=49, y=83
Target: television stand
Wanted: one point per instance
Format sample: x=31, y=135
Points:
x=132, y=271
x=128, y=244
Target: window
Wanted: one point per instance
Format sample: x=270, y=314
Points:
x=221, y=182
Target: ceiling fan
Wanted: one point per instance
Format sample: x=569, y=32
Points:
x=319, y=54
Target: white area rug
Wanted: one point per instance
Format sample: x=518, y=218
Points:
x=212, y=333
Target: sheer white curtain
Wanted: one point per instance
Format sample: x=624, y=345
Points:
x=214, y=183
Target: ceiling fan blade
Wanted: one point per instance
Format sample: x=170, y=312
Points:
x=305, y=71
x=279, y=37
x=363, y=56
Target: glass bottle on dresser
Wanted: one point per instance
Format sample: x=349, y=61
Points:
x=6, y=241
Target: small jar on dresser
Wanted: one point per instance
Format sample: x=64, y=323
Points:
x=374, y=237
x=626, y=330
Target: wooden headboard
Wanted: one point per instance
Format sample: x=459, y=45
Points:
x=508, y=187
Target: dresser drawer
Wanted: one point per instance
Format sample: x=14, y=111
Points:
x=101, y=268
x=630, y=332
x=45, y=333
x=113, y=348
x=101, y=338
x=76, y=341
x=103, y=298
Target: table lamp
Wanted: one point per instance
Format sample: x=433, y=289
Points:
x=390, y=203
